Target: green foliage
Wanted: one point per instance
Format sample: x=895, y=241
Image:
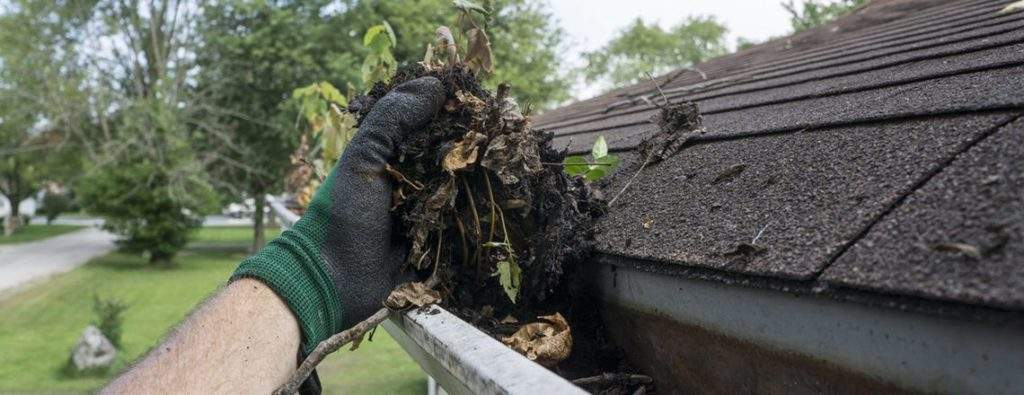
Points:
x=508, y=271
x=109, y=317
x=602, y=162
x=149, y=187
x=643, y=48
x=320, y=105
x=528, y=42
x=379, y=64
x=812, y=13
x=54, y=204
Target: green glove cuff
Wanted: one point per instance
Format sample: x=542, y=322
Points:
x=292, y=266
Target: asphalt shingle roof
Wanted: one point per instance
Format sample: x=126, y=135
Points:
x=867, y=148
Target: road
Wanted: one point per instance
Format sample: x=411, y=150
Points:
x=33, y=261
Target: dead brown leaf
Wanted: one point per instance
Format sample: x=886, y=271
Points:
x=467, y=99
x=464, y=153
x=478, y=55
x=408, y=295
x=547, y=342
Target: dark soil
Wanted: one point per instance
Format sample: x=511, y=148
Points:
x=509, y=203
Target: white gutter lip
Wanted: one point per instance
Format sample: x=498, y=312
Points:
x=465, y=360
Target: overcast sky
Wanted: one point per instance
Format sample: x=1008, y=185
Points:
x=591, y=23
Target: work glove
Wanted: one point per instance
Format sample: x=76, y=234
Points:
x=335, y=267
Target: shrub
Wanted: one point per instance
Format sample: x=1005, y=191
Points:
x=108, y=318
x=55, y=204
x=149, y=188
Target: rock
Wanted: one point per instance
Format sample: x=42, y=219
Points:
x=93, y=351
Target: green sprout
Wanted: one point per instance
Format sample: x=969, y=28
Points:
x=600, y=165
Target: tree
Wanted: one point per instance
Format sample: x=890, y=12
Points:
x=155, y=192
x=813, y=13
x=643, y=48
x=35, y=37
x=147, y=179
x=254, y=54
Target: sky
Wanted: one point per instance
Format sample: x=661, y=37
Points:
x=591, y=23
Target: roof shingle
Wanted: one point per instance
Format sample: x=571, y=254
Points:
x=858, y=141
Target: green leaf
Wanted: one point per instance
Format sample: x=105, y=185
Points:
x=332, y=94
x=607, y=162
x=575, y=165
x=391, y=33
x=595, y=173
x=509, y=275
x=600, y=148
x=468, y=6
x=372, y=34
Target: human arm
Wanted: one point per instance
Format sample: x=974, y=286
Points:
x=242, y=340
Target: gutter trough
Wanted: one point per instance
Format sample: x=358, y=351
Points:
x=694, y=335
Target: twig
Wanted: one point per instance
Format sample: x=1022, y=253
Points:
x=326, y=347
x=628, y=183
x=563, y=164
x=494, y=219
x=315, y=170
x=334, y=343
x=614, y=378
x=663, y=97
x=476, y=223
x=752, y=242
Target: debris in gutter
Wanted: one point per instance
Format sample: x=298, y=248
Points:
x=547, y=342
x=729, y=173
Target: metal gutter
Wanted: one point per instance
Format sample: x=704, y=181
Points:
x=465, y=360
x=283, y=214
x=913, y=351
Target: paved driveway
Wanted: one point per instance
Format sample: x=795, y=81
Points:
x=27, y=262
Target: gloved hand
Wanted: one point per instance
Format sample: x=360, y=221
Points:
x=337, y=264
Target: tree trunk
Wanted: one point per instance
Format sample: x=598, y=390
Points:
x=15, y=215
x=258, y=237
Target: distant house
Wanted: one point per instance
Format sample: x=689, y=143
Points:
x=878, y=162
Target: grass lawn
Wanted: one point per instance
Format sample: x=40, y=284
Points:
x=40, y=324
x=37, y=232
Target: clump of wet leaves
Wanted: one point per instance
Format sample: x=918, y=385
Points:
x=483, y=208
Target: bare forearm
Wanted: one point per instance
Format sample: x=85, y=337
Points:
x=243, y=340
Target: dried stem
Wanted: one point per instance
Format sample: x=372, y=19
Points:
x=476, y=224
x=624, y=187
x=490, y=194
x=326, y=347
x=614, y=378
x=334, y=343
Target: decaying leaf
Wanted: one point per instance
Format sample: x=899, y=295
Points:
x=446, y=44
x=745, y=249
x=729, y=173
x=547, y=342
x=478, y=55
x=444, y=196
x=398, y=176
x=408, y=295
x=512, y=157
x=464, y=153
x=467, y=99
